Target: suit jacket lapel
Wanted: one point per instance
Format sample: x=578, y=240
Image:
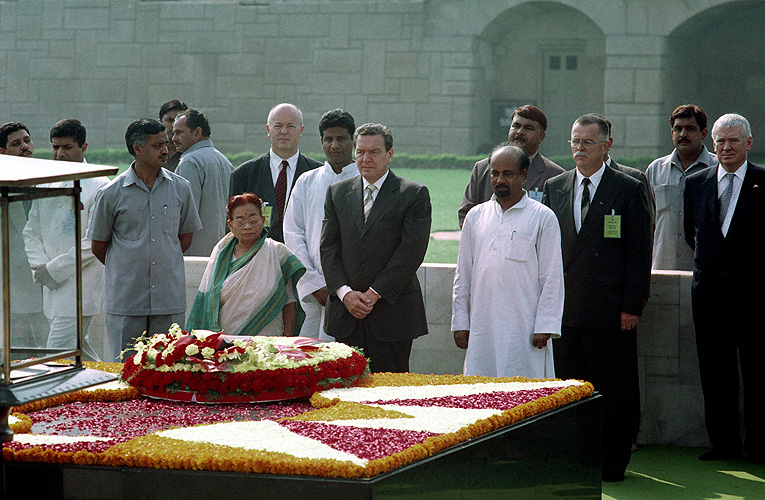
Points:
x=564, y=205
x=745, y=198
x=265, y=179
x=593, y=223
x=712, y=209
x=384, y=197
x=535, y=171
x=354, y=203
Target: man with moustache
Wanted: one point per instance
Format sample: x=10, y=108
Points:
x=208, y=172
x=527, y=130
x=508, y=286
x=28, y=324
x=605, y=227
x=143, y=221
x=167, y=114
x=48, y=237
x=305, y=213
x=666, y=175
x=724, y=223
x=272, y=176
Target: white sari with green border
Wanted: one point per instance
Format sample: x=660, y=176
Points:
x=245, y=296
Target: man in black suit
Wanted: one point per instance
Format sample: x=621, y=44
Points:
x=527, y=131
x=374, y=236
x=272, y=176
x=606, y=242
x=724, y=224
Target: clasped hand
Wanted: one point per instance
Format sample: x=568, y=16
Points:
x=360, y=304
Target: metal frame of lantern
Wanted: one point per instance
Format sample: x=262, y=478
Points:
x=19, y=180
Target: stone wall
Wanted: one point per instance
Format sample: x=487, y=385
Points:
x=435, y=71
x=671, y=399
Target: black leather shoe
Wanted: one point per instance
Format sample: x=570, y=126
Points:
x=719, y=454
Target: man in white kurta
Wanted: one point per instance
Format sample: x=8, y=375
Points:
x=305, y=212
x=508, y=287
x=49, y=241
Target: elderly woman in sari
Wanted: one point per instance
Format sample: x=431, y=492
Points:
x=248, y=287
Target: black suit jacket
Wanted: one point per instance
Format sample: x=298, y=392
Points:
x=479, y=187
x=603, y=276
x=637, y=174
x=383, y=253
x=726, y=264
x=254, y=176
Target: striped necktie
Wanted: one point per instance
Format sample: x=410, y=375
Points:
x=368, y=200
x=725, y=197
x=281, y=190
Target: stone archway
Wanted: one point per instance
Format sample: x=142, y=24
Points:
x=713, y=60
x=542, y=53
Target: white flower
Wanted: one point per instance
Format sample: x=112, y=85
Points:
x=192, y=350
x=208, y=352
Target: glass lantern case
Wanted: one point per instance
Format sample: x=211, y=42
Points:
x=29, y=369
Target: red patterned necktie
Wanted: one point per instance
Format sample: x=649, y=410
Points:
x=281, y=189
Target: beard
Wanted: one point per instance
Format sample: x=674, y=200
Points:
x=502, y=190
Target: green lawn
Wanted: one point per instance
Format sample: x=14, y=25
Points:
x=446, y=188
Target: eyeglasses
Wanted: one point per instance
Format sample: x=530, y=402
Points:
x=253, y=221
x=586, y=143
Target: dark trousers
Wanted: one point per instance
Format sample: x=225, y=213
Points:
x=383, y=356
x=721, y=344
x=608, y=359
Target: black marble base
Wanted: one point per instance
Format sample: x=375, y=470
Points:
x=552, y=456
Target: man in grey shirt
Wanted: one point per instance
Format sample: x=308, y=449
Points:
x=208, y=172
x=142, y=222
x=666, y=175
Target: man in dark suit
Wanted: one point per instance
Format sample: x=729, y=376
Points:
x=527, y=131
x=374, y=237
x=606, y=242
x=272, y=176
x=724, y=223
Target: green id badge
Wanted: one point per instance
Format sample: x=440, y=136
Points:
x=612, y=228
x=267, y=214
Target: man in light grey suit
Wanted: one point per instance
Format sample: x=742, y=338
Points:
x=374, y=237
x=527, y=131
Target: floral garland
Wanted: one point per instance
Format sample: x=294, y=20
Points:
x=205, y=366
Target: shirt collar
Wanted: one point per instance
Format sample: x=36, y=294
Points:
x=276, y=160
x=379, y=182
x=594, y=178
x=521, y=203
x=738, y=173
x=132, y=178
x=704, y=160
x=345, y=171
x=206, y=143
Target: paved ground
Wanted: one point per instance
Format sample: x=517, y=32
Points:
x=446, y=235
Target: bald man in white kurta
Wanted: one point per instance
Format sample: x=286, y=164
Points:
x=507, y=287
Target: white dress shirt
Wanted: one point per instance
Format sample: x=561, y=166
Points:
x=722, y=183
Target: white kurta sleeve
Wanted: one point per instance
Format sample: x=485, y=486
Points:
x=296, y=222
x=550, y=309
x=33, y=243
x=462, y=277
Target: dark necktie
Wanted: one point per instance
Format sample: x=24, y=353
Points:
x=585, y=197
x=725, y=197
x=281, y=190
